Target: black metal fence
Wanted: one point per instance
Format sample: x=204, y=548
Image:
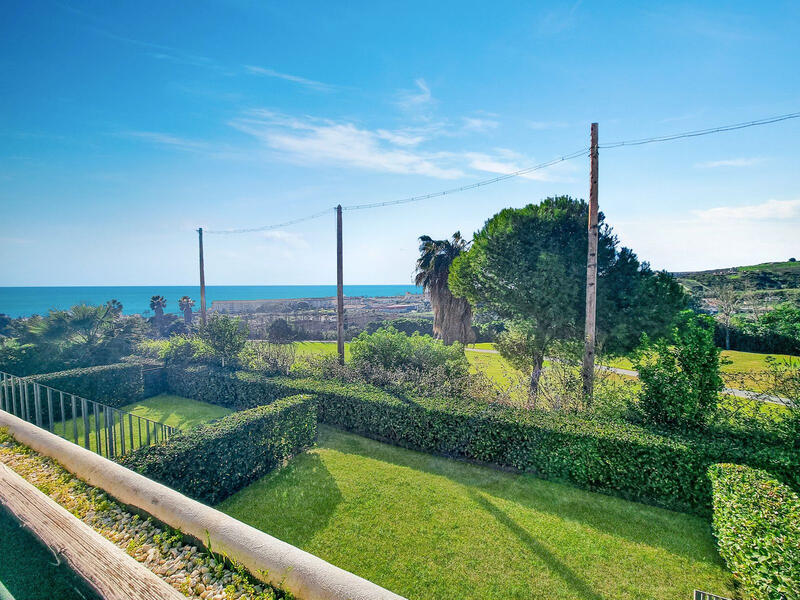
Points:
x=97, y=427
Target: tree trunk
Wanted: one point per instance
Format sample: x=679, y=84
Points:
x=727, y=338
x=536, y=373
x=187, y=316
x=452, y=317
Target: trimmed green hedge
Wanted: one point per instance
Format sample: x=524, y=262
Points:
x=613, y=457
x=115, y=385
x=757, y=526
x=237, y=390
x=212, y=461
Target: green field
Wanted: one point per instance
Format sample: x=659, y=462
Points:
x=175, y=411
x=429, y=527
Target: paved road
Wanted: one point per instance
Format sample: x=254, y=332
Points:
x=631, y=373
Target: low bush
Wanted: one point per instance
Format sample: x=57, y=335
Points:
x=757, y=525
x=153, y=349
x=680, y=374
x=226, y=336
x=610, y=456
x=389, y=349
x=268, y=358
x=213, y=461
x=186, y=349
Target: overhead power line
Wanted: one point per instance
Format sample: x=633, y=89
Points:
x=699, y=132
x=520, y=172
x=471, y=186
x=276, y=226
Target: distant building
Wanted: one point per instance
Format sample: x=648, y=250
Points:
x=397, y=308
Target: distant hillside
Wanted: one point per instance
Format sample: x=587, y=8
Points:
x=766, y=276
x=764, y=285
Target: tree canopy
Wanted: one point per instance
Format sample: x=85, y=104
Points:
x=528, y=266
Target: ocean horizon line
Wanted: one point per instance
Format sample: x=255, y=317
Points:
x=25, y=301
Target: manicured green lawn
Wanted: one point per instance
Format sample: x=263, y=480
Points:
x=175, y=411
x=319, y=349
x=431, y=528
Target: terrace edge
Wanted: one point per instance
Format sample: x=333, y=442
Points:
x=270, y=559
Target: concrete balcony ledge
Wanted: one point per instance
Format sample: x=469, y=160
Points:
x=306, y=576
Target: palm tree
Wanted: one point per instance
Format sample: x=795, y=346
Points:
x=115, y=306
x=185, y=304
x=452, y=317
x=158, y=304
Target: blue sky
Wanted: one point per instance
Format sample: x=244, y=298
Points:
x=124, y=126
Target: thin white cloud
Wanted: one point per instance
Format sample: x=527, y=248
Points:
x=730, y=162
x=165, y=139
x=782, y=210
x=479, y=124
x=558, y=20
x=174, y=142
x=163, y=52
x=504, y=162
x=405, y=137
x=318, y=141
x=416, y=99
x=310, y=83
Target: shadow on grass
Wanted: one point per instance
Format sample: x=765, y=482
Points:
x=678, y=533
x=304, y=488
x=581, y=589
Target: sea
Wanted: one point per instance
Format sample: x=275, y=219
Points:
x=27, y=301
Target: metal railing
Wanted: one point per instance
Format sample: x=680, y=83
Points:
x=97, y=427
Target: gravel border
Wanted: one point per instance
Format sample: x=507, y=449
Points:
x=193, y=571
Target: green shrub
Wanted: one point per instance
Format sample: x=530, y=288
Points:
x=280, y=332
x=226, y=336
x=614, y=457
x=267, y=358
x=213, y=461
x=186, y=349
x=680, y=374
x=151, y=348
x=757, y=526
x=390, y=350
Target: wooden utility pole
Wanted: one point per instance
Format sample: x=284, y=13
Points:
x=202, y=279
x=591, y=276
x=339, y=287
